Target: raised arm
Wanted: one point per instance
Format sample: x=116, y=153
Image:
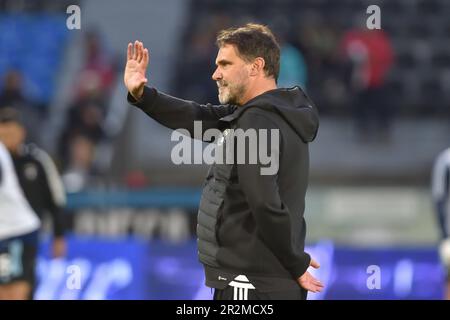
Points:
x=170, y=111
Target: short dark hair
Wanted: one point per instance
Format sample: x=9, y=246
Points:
x=253, y=41
x=9, y=114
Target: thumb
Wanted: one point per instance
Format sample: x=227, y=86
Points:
x=142, y=82
x=314, y=264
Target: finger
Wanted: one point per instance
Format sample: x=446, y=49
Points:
x=129, y=51
x=312, y=289
x=143, y=82
x=313, y=282
x=314, y=264
x=318, y=284
x=315, y=288
x=139, y=53
x=135, y=50
x=146, y=57
x=316, y=281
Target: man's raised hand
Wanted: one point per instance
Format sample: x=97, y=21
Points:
x=134, y=75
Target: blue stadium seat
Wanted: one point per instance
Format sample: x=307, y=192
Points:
x=33, y=43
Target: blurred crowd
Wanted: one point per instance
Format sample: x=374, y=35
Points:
x=84, y=129
x=344, y=70
x=84, y=124
x=369, y=76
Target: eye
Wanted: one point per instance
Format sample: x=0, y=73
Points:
x=223, y=64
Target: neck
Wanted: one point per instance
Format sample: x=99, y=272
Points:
x=258, y=88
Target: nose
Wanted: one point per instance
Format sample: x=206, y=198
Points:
x=216, y=75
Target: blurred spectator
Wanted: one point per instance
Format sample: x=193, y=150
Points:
x=12, y=92
x=371, y=56
x=198, y=61
x=12, y=96
x=318, y=41
x=315, y=28
x=98, y=69
x=80, y=171
x=84, y=117
x=293, y=69
x=84, y=127
x=41, y=185
x=198, y=57
x=440, y=187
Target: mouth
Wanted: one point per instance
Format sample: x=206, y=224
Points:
x=221, y=86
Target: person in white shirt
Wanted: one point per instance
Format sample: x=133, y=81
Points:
x=18, y=223
x=440, y=187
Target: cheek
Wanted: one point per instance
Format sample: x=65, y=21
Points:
x=234, y=77
x=242, y=75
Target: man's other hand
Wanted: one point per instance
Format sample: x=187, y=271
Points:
x=308, y=282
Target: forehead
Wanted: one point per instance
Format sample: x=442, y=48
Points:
x=227, y=52
x=10, y=125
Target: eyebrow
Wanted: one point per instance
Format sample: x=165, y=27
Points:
x=223, y=62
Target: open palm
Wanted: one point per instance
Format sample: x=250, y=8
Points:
x=134, y=75
x=308, y=282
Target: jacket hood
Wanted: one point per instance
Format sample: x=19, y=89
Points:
x=292, y=104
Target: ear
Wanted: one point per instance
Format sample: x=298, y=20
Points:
x=257, y=66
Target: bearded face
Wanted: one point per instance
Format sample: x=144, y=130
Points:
x=232, y=91
x=231, y=76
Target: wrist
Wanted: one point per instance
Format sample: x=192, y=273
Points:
x=137, y=95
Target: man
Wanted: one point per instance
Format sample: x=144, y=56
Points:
x=12, y=96
x=251, y=229
x=18, y=225
x=371, y=57
x=40, y=184
x=440, y=186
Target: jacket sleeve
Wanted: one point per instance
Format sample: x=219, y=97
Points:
x=440, y=192
x=54, y=191
x=176, y=113
x=263, y=197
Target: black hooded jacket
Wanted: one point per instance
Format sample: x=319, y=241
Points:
x=250, y=223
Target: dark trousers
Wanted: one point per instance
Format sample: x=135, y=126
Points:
x=229, y=294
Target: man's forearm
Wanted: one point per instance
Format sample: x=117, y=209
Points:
x=177, y=113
